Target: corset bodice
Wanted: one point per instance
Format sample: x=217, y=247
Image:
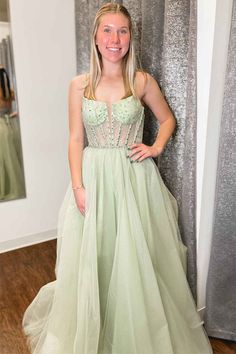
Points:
x=121, y=125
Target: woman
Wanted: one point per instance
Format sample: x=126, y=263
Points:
x=121, y=286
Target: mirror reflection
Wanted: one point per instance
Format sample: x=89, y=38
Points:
x=12, y=183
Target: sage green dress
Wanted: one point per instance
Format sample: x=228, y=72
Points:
x=121, y=283
x=12, y=184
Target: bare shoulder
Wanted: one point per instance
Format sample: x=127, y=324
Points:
x=142, y=80
x=78, y=83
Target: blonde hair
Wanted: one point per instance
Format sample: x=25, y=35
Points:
x=129, y=66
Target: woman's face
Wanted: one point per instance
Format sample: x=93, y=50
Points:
x=113, y=37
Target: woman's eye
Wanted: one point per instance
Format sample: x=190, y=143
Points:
x=123, y=31
x=107, y=30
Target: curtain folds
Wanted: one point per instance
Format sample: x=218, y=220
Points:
x=221, y=284
x=165, y=33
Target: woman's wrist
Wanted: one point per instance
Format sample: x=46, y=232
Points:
x=77, y=187
x=158, y=148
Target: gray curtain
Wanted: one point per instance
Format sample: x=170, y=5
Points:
x=165, y=32
x=221, y=284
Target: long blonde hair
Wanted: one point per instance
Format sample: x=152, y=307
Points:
x=129, y=66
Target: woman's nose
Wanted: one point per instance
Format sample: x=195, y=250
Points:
x=114, y=37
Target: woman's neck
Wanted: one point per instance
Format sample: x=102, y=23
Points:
x=112, y=70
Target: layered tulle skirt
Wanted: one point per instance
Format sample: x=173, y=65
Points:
x=121, y=283
x=12, y=185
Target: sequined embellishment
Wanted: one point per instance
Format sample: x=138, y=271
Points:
x=122, y=126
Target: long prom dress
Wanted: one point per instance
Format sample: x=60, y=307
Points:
x=120, y=283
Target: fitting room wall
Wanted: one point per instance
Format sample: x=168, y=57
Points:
x=214, y=21
x=45, y=61
x=4, y=30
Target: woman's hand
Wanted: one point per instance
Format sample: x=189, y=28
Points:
x=80, y=199
x=13, y=114
x=139, y=152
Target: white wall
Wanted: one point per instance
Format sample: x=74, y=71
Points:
x=205, y=38
x=214, y=19
x=4, y=30
x=45, y=61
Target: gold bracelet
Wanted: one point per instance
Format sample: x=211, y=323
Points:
x=77, y=187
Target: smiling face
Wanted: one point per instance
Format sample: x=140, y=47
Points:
x=113, y=37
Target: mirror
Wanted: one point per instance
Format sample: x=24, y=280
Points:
x=12, y=182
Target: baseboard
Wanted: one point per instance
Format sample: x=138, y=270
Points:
x=29, y=240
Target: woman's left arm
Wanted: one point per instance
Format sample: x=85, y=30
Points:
x=154, y=99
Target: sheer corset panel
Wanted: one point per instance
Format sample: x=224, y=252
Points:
x=120, y=126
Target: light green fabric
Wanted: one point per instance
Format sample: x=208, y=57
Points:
x=12, y=185
x=121, y=283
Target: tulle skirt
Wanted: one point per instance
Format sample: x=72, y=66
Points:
x=12, y=185
x=120, y=283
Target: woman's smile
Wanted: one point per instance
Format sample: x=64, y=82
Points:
x=114, y=49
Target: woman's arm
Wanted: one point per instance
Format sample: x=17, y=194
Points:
x=158, y=105
x=76, y=139
x=154, y=99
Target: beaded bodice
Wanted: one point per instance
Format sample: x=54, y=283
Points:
x=121, y=125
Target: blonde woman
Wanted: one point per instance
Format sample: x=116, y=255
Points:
x=121, y=283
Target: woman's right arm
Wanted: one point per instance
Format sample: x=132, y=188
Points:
x=76, y=139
